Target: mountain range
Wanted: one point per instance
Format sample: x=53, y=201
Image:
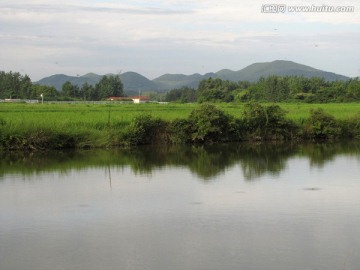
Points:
x=134, y=82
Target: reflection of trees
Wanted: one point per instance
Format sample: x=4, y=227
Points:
x=210, y=161
x=27, y=163
x=321, y=153
x=268, y=158
x=205, y=161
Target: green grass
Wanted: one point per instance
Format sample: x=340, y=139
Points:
x=84, y=114
x=341, y=111
x=300, y=111
x=63, y=115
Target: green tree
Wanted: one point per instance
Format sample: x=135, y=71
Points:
x=25, y=87
x=184, y=95
x=353, y=90
x=109, y=86
x=255, y=92
x=14, y=85
x=87, y=92
x=70, y=90
x=49, y=92
x=214, y=90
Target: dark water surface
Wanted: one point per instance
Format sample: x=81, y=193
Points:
x=273, y=207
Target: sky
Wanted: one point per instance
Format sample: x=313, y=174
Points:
x=74, y=37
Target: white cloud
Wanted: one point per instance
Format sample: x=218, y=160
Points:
x=43, y=31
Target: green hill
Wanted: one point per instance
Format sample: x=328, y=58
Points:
x=250, y=73
x=134, y=82
x=279, y=67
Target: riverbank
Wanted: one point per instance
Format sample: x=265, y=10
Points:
x=54, y=126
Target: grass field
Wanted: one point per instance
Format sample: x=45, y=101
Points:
x=88, y=113
x=103, y=113
x=65, y=116
x=94, y=123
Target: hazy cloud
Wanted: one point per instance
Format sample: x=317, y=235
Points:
x=170, y=36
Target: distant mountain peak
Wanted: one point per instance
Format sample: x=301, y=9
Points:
x=134, y=81
x=90, y=74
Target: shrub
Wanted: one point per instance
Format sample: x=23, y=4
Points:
x=179, y=131
x=351, y=127
x=146, y=130
x=264, y=123
x=212, y=124
x=321, y=125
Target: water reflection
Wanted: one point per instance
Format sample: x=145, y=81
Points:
x=57, y=210
x=207, y=162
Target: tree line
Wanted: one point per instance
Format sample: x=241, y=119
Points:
x=270, y=89
x=13, y=85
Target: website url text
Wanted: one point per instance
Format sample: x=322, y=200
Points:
x=281, y=8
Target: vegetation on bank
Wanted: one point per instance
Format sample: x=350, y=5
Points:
x=54, y=126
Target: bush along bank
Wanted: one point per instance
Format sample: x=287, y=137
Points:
x=209, y=124
x=206, y=124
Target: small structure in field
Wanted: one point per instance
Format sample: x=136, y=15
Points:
x=135, y=99
x=16, y=100
x=13, y=100
x=140, y=99
x=119, y=99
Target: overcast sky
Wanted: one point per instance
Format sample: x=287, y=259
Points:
x=46, y=37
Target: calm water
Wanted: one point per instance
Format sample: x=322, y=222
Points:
x=267, y=207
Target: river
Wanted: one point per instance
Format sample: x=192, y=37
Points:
x=251, y=207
